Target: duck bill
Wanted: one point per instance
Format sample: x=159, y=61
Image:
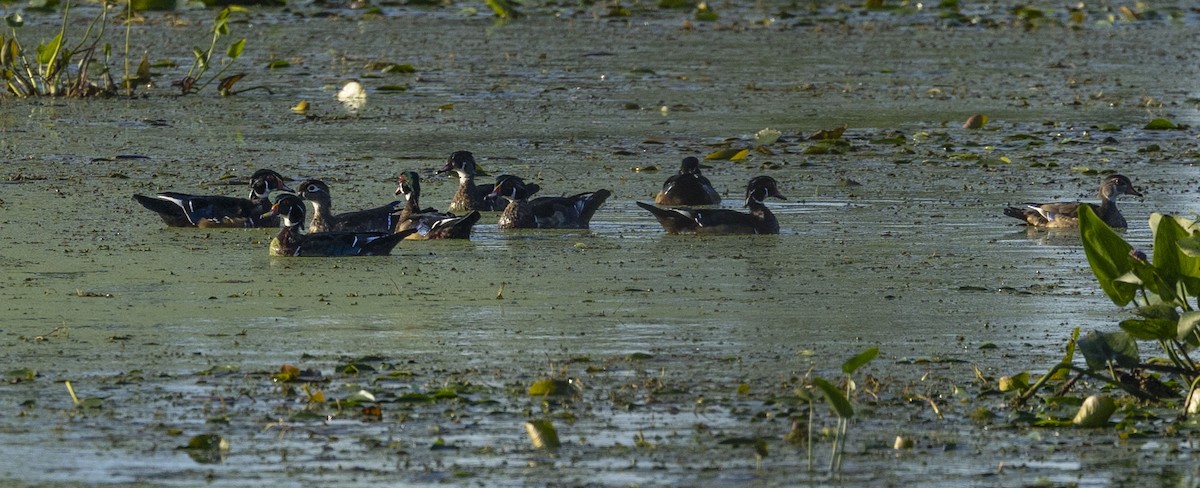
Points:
x=446, y=169
x=274, y=211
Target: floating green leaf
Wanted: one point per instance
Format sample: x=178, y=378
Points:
x=551, y=387
x=20, y=375
x=675, y=3
x=1161, y=124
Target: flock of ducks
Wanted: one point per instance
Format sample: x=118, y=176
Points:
x=375, y=231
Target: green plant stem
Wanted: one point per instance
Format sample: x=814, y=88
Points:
x=811, y=408
x=1024, y=397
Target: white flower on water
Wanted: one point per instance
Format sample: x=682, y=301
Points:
x=353, y=96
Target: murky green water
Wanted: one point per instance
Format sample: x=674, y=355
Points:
x=180, y=330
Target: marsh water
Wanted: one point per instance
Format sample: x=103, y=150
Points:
x=685, y=351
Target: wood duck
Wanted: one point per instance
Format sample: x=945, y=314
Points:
x=429, y=223
x=470, y=197
x=688, y=187
x=760, y=220
x=184, y=210
x=291, y=242
x=573, y=212
x=378, y=219
x=1066, y=214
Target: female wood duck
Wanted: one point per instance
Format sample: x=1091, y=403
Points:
x=378, y=219
x=429, y=223
x=291, y=242
x=183, y=210
x=1066, y=214
x=573, y=212
x=688, y=187
x=760, y=220
x=470, y=197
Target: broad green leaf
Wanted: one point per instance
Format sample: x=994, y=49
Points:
x=235, y=49
x=1175, y=264
x=47, y=52
x=1187, y=330
x=1150, y=329
x=837, y=400
x=1158, y=311
x=1101, y=348
x=1108, y=255
x=852, y=364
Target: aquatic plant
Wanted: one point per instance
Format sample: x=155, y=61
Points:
x=1166, y=296
x=202, y=61
x=48, y=71
x=839, y=403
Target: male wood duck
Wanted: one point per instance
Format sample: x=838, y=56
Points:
x=1066, y=214
x=470, y=197
x=184, y=210
x=688, y=187
x=291, y=242
x=378, y=219
x=429, y=223
x=573, y=212
x=760, y=220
